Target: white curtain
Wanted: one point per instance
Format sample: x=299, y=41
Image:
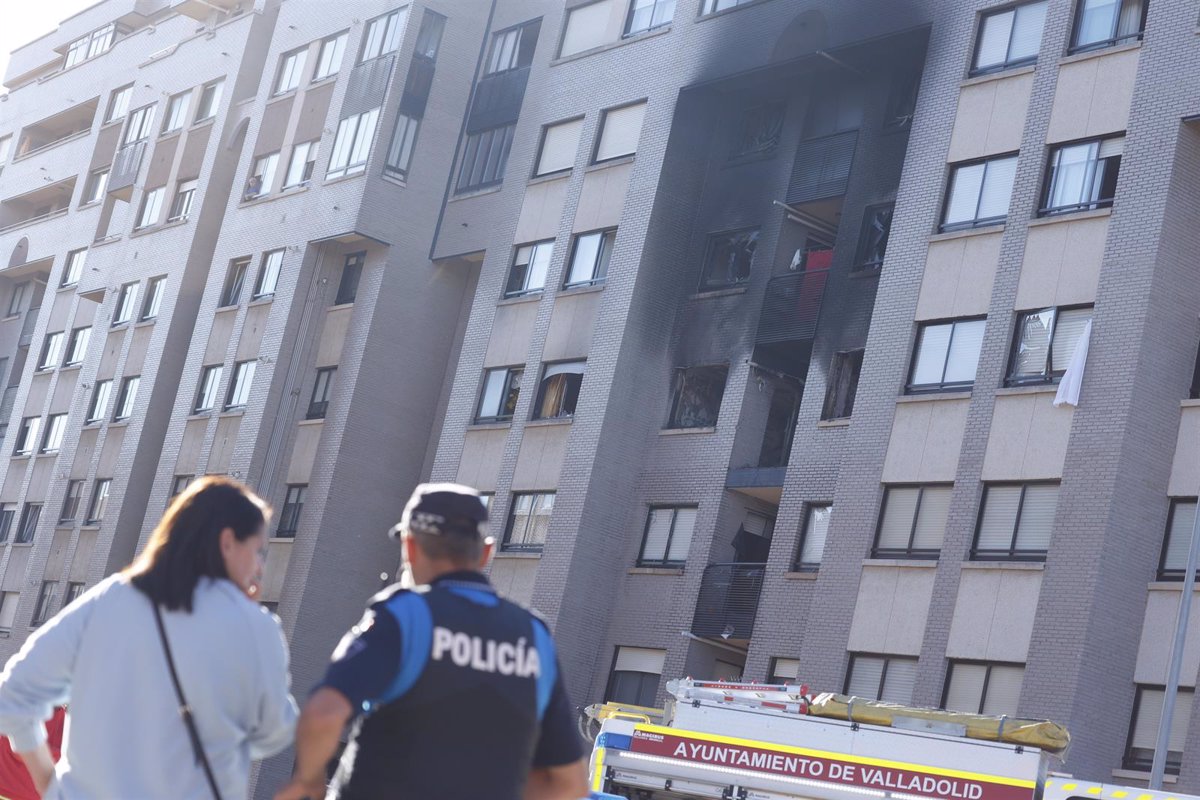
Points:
x=1072, y=379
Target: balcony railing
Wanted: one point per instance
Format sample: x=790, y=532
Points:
x=125, y=169
x=7, y=400
x=27, y=327
x=728, y=600
x=792, y=307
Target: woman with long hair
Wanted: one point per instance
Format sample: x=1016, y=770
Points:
x=176, y=678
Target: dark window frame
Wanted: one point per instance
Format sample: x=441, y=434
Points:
x=608, y=241
x=1007, y=64
x=714, y=241
x=887, y=659
x=987, y=677
x=525, y=290
x=70, y=506
x=909, y=552
x=798, y=562
x=27, y=527
x=537, y=159
x=90, y=516
x=679, y=380
x=352, y=267
x=45, y=601
x=663, y=562
x=318, y=406
x=290, y=511
x=861, y=262
x=1113, y=40
x=852, y=360
x=612, y=675
x=571, y=392
x=627, y=28
x=517, y=372
x=944, y=385
x=1050, y=375
x=123, y=398
x=1044, y=207
x=603, y=124
x=8, y=515
x=977, y=221
x=487, y=178
x=1165, y=574
x=1128, y=760
x=235, y=282
x=1013, y=553
x=507, y=544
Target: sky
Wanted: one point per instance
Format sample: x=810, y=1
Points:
x=25, y=20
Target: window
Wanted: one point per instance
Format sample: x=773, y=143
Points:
x=383, y=34
x=887, y=678
x=179, y=483
x=429, y=37
x=620, y=129
x=45, y=601
x=51, y=350
x=262, y=177
x=975, y=688
x=118, y=103
x=151, y=207
x=99, y=502
x=759, y=129
x=946, y=356
x=484, y=158
x=56, y=426
x=530, y=264
x=140, y=122
x=126, y=398
x=126, y=299
x=8, y=511
x=784, y=671
x=1016, y=521
x=77, y=346
x=177, y=108
x=8, y=609
x=912, y=521
x=239, y=388
x=210, y=380
x=647, y=14
x=29, y=522
x=501, y=389
x=181, y=206
x=1182, y=517
x=667, y=537
x=1143, y=727
x=17, y=301
x=293, y=504
x=1009, y=38
x=558, y=393
x=322, y=389
x=1045, y=342
x=71, y=501
x=512, y=48
x=28, y=435
x=268, y=274
x=560, y=142
x=329, y=60
x=99, y=405
x=351, y=273
x=291, y=67
x=697, y=395
x=979, y=193
x=835, y=107
x=635, y=675
x=1082, y=176
x=233, y=282
x=93, y=190
x=301, y=166
x=528, y=521
x=73, y=270
x=844, y=371
x=352, y=145
x=873, y=239
x=589, y=258
x=95, y=43
x=812, y=542
x=399, y=155
x=154, y=295
x=210, y=100
x=1103, y=23
x=586, y=28
x=728, y=260
x=74, y=589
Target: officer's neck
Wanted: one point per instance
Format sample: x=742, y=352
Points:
x=432, y=572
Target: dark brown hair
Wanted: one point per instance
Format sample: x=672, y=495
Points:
x=186, y=544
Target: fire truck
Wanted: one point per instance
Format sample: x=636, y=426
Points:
x=738, y=741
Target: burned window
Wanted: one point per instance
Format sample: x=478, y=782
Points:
x=558, y=393
x=843, y=384
x=728, y=260
x=758, y=131
x=697, y=397
x=873, y=239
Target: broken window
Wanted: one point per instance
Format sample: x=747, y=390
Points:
x=697, y=397
x=759, y=130
x=559, y=390
x=843, y=384
x=728, y=260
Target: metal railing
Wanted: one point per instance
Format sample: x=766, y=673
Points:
x=27, y=326
x=792, y=307
x=728, y=600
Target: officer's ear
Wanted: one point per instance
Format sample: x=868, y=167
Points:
x=489, y=550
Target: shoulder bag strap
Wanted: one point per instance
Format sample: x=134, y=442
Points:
x=185, y=710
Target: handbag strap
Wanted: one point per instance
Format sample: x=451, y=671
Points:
x=185, y=710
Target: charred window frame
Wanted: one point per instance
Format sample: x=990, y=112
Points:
x=697, y=395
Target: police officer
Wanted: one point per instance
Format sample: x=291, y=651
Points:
x=457, y=692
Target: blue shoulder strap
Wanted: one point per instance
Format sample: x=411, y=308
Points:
x=548, y=661
x=416, y=637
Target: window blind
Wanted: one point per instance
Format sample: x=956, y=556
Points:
x=1037, y=517
x=1003, y=690
x=999, y=517
x=639, y=659
x=896, y=525
x=559, y=147
x=931, y=519
x=966, y=687
x=866, y=672
x=899, y=681
x=587, y=27
x=621, y=130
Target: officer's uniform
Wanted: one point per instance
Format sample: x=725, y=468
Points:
x=459, y=695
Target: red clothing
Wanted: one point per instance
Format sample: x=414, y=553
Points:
x=15, y=783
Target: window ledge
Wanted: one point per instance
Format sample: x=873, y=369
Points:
x=175, y=134
x=549, y=422
x=997, y=76
x=1137, y=775
x=199, y=415
x=685, y=431
x=470, y=193
x=116, y=237
x=807, y=575
x=281, y=96
x=1070, y=217
x=226, y=309
x=274, y=539
x=305, y=422
x=341, y=306
x=530, y=297
x=732, y=9
x=844, y=422
x=1189, y=403
x=570, y=291
x=22, y=544
x=1026, y=566
x=656, y=570
x=202, y=123
x=865, y=272
x=265, y=300
x=980, y=231
x=70, y=367
x=1100, y=53
x=288, y=191
x=711, y=293
x=118, y=423
x=232, y=412
x=489, y=426
x=637, y=37
x=175, y=223
x=550, y=177
x=89, y=526
x=516, y=555
x=1039, y=388
x=395, y=180
x=1169, y=586
x=919, y=563
x=926, y=397
x=611, y=162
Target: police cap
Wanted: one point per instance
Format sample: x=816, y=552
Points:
x=443, y=508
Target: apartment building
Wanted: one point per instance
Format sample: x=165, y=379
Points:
x=749, y=318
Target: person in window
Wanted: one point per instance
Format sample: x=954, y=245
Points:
x=440, y=677
x=105, y=655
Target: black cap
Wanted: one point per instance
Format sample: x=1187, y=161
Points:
x=441, y=508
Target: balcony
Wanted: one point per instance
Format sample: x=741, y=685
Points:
x=7, y=400
x=728, y=602
x=498, y=99
x=792, y=307
x=203, y=9
x=124, y=172
x=40, y=204
x=367, y=85
x=55, y=130
x=27, y=326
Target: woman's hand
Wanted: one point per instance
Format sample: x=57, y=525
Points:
x=299, y=790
